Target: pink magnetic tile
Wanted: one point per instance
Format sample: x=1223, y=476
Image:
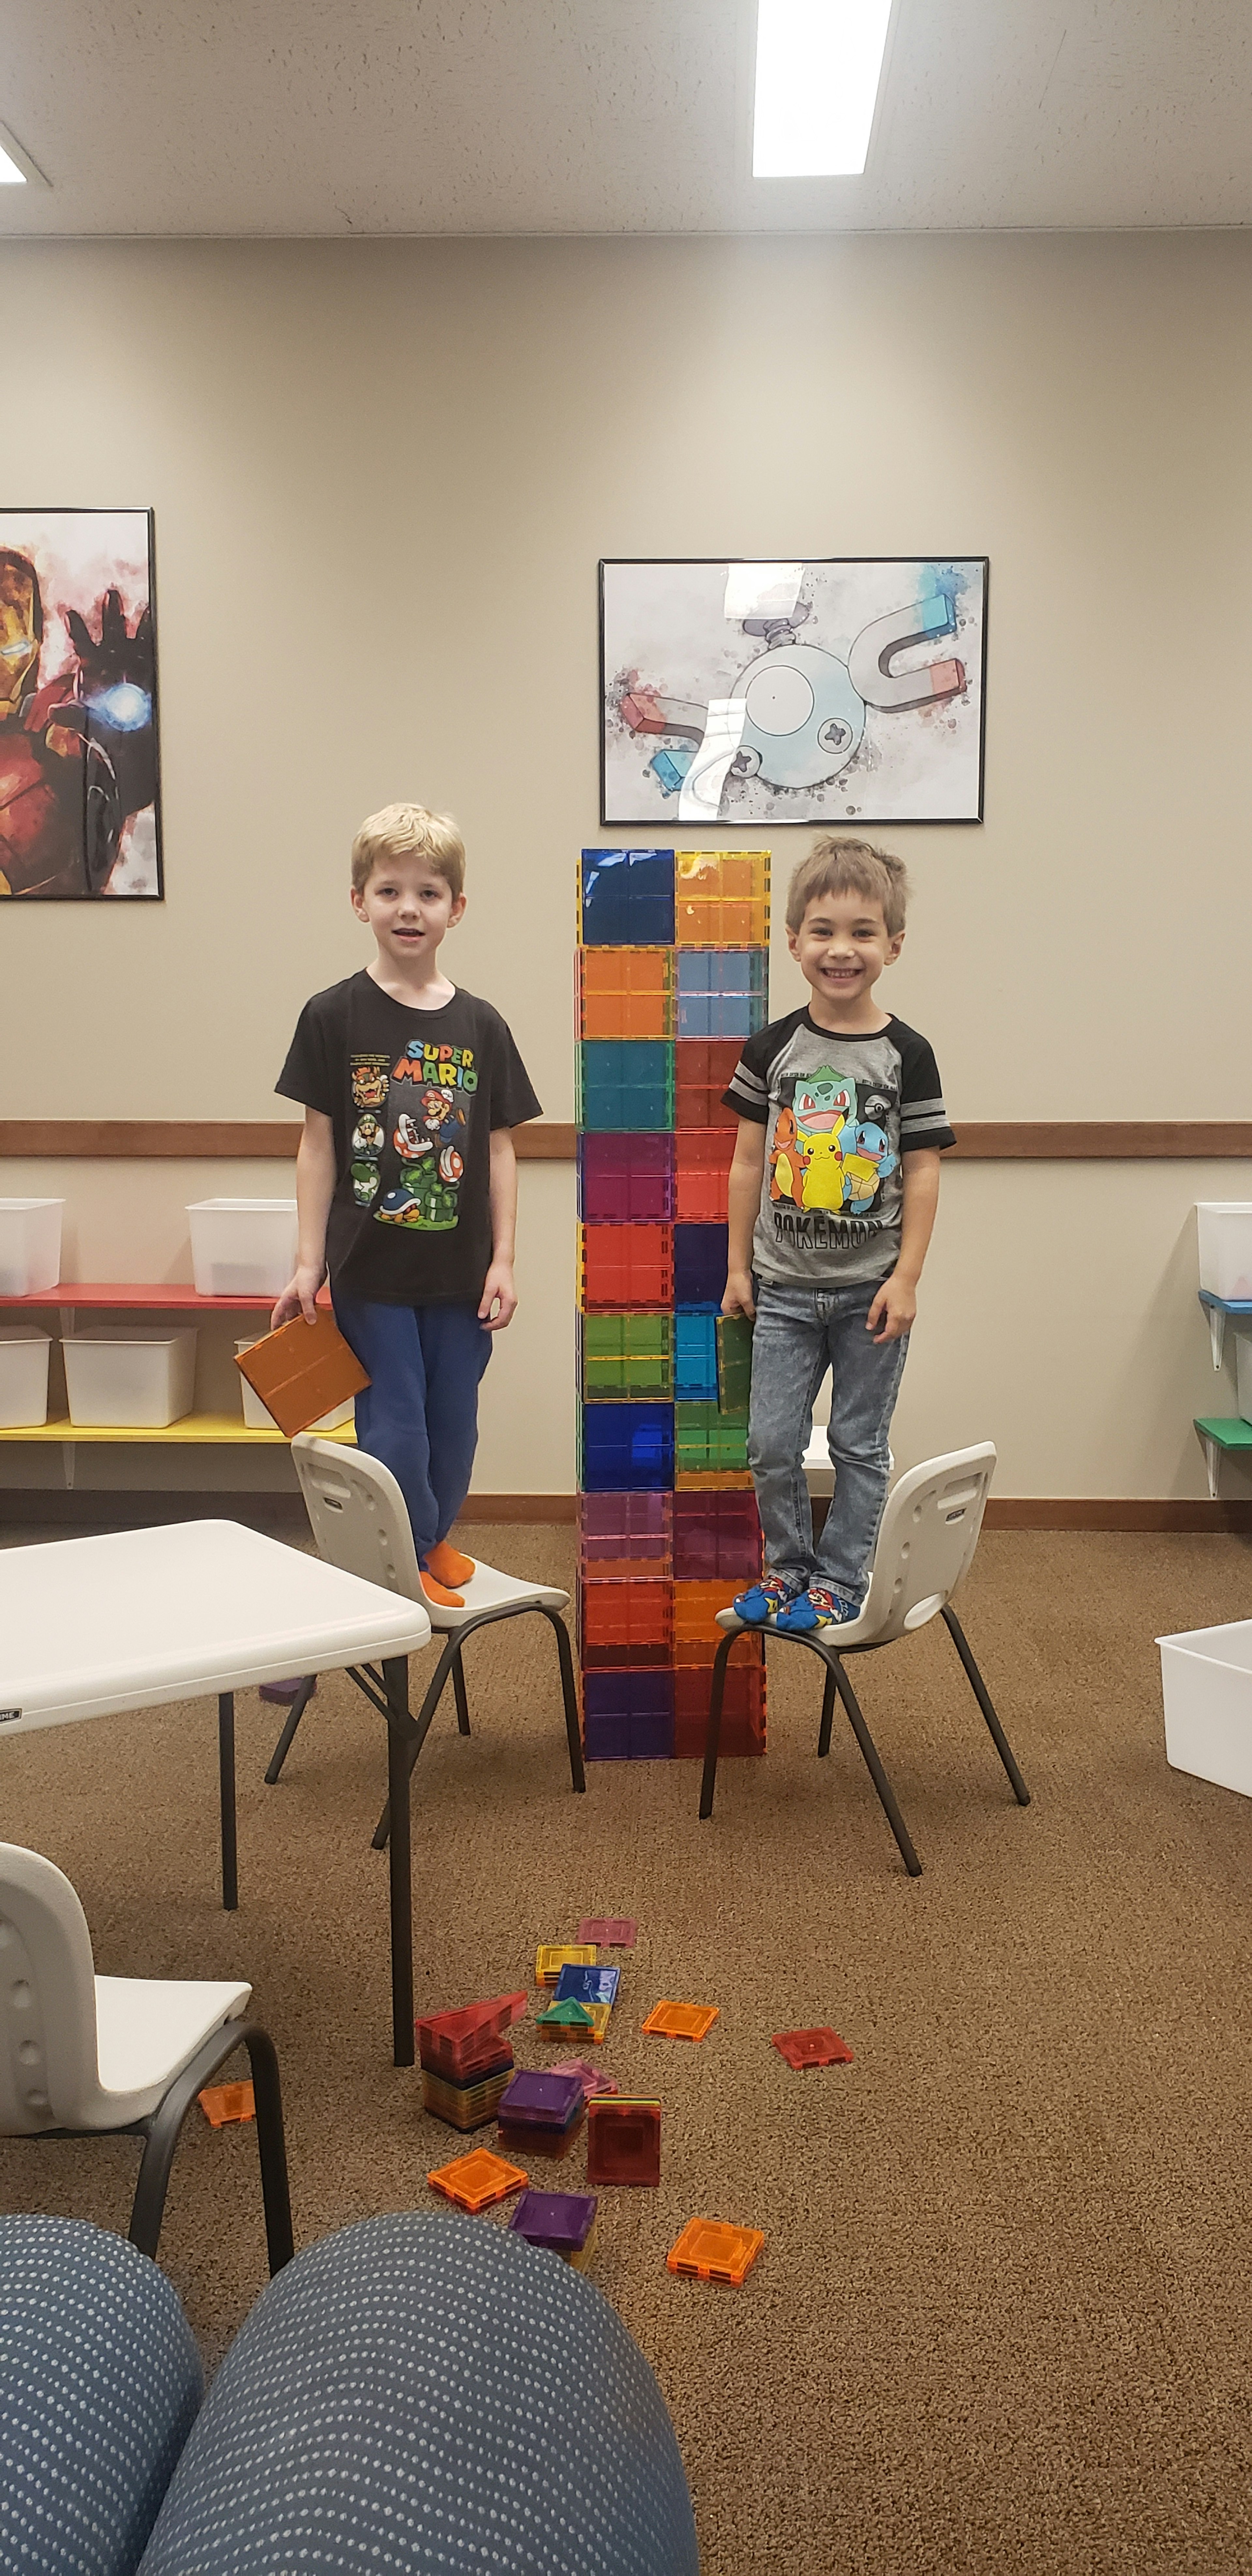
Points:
x=613, y=1931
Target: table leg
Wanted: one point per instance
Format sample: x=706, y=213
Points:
x=400, y=1733
x=226, y=1777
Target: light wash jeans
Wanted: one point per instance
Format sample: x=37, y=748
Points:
x=799, y=1333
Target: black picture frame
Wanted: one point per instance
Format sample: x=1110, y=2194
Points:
x=99, y=735
x=811, y=809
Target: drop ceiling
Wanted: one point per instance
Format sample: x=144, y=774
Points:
x=403, y=117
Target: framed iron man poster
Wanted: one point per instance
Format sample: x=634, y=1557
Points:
x=843, y=690
x=80, y=803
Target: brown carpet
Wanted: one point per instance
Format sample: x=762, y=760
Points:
x=1003, y=2317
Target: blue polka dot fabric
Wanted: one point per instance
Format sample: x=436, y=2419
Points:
x=429, y=2393
x=99, y=2385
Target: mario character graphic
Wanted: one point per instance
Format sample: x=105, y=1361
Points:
x=78, y=761
x=432, y=1166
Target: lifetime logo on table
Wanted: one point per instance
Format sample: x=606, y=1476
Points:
x=9, y=1716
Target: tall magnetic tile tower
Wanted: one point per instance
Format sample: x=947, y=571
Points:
x=672, y=977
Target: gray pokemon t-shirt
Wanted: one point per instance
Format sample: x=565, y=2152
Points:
x=840, y=1114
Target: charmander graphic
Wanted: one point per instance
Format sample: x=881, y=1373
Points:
x=822, y=1155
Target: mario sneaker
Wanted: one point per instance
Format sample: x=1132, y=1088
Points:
x=761, y=1605
x=819, y=1607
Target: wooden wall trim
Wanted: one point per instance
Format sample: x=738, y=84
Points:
x=125, y=1507
x=551, y=1140
x=211, y=1140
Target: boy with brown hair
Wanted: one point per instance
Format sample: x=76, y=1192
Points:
x=833, y=1193
x=406, y=1179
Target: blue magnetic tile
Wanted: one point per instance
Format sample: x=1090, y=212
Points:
x=720, y=1015
x=700, y=1256
x=587, y=1985
x=628, y=1716
x=626, y=1085
x=627, y=898
x=627, y=1448
x=695, y=1358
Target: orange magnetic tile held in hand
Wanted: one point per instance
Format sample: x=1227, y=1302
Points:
x=302, y=1371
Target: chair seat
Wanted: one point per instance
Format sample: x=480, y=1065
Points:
x=489, y=1589
x=147, y=2029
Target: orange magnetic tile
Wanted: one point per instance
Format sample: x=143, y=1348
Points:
x=695, y=1609
x=714, y=2251
x=730, y=1480
x=475, y=2181
x=682, y=2021
x=221, y=2103
x=552, y=1956
x=302, y=1371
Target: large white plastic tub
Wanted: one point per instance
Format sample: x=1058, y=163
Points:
x=258, y=1416
x=1225, y=1246
x=30, y=1246
x=1206, y=1677
x=242, y=1247
x=23, y=1377
x=123, y=1380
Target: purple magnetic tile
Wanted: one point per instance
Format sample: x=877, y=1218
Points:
x=548, y=2100
x=562, y=2220
x=626, y=1179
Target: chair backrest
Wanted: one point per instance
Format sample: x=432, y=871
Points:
x=928, y=1536
x=49, y=2070
x=359, y=1515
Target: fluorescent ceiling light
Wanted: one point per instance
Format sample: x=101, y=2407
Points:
x=17, y=170
x=818, y=65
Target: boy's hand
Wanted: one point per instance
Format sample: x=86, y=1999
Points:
x=299, y=1297
x=739, y=1299
x=894, y=1308
x=500, y=1293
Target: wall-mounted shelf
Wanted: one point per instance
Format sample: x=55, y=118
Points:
x=222, y=1428
x=1217, y=1309
x=1218, y=1437
x=142, y=1297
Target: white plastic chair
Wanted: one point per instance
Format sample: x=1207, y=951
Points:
x=361, y=1523
x=82, y=2055
x=929, y=1532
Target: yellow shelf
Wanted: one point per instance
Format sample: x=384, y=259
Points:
x=223, y=1428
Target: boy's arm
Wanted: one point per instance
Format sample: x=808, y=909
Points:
x=895, y=1305
x=498, y=1289
x=743, y=1199
x=315, y=1188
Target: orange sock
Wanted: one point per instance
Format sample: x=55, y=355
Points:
x=448, y=1565
x=439, y=1593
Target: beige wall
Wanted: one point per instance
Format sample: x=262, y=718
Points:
x=383, y=475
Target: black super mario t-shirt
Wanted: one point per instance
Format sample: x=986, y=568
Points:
x=413, y=1097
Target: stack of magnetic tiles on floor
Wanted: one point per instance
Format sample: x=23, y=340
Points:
x=672, y=977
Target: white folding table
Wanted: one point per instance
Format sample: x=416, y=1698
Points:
x=91, y=1626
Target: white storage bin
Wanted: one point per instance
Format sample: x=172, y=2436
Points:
x=1206, y=1677
x=258, y=1416
x=1243, y=1371
x=30, y=1246
x=120, y=1380
x=23, y=1378
x=1225, y=1246
x=243, y=1247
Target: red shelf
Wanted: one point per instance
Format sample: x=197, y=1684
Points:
x=135, y=1294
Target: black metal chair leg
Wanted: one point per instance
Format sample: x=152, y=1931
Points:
x=421, y=1728
x=288, y=1736
x=829, y=1696
x=462, y=1703
x=569, y=1694
x=877, y=1774
x=717, y=1693
x=163, y=2130
x=983, y=1697
x=401, y=1755
x=226, y=1785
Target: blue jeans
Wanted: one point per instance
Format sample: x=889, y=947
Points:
x=799, y=1333
x=419, y=1414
